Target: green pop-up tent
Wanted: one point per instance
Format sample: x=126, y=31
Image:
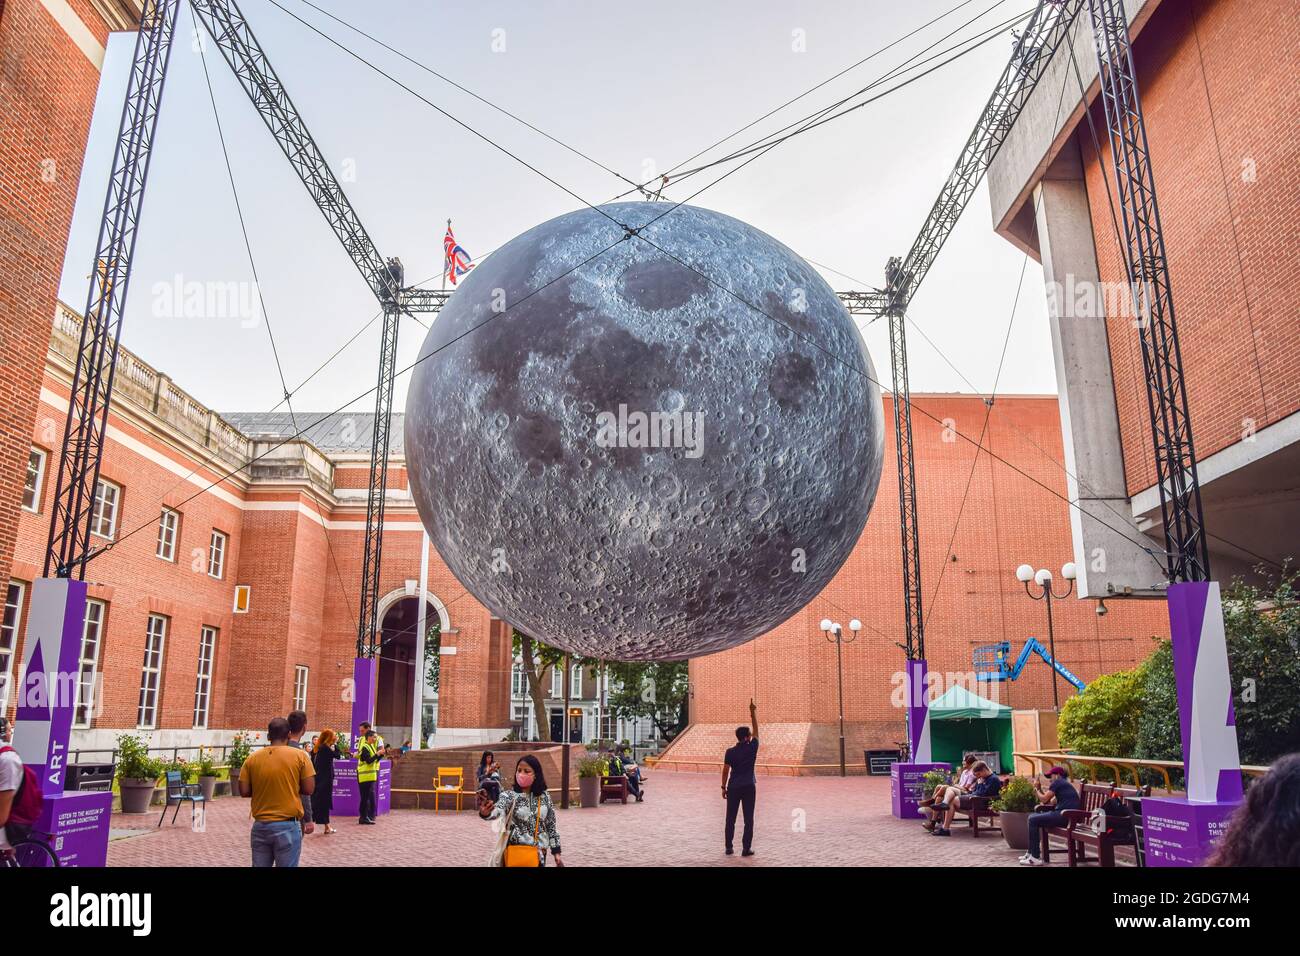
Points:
x=961, y=721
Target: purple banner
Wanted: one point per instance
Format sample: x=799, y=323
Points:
x=1205, y=709
x=347, y=792
x=918, y=712
x=1180, y=832
x=365, y=672
x=78, y=826
x=906, y=783
x=47, y=693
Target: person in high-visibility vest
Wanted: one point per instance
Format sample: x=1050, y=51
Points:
x=367, y=775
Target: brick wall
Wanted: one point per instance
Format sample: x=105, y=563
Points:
x=1220, y=98
x=1009, y=518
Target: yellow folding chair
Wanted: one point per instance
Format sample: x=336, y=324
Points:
x=449, y=780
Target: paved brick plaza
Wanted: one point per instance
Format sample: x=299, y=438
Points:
x=847, y=822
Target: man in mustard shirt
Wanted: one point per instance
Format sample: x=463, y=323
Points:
x=277, y=777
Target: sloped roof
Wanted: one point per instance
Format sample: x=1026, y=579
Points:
x=960, y=704
x=347, y=432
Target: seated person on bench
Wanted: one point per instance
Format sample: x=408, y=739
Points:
x=987, y=784
x=618, y=769
x=946, y=793
x=1060, y=795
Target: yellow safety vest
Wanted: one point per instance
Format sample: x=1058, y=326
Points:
x=367, y=767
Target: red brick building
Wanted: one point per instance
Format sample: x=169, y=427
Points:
x=1220, y=98
x=1217, y=79
x=194, y=504
x=189, y=508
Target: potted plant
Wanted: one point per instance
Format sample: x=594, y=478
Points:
x=240, y=748
x=591, y=768
x=207, y=768
x=1014, y=804
x=137, y=773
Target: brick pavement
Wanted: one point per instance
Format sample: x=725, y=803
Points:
x=801, y=821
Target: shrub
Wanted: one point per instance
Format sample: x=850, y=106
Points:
x=207, y=764
x=240, y=748
x=1016, y=796
x=1104, y=721
x=591, y=765
x=932, y=779
x=133, y=760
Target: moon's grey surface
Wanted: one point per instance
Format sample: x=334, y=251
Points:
x=645, y=544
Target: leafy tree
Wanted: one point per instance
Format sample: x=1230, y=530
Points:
x=432, y=653
x=653, y=689
x=1103, y=721
x=538, y=658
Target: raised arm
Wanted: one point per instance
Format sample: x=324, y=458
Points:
x=753, y=718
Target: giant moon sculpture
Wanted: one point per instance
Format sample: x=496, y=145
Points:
x=644, y=445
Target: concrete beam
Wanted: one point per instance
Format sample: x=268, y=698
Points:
x=1045, y=125
x=1106, y=538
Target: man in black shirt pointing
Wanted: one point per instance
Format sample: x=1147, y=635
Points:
x=739, y=766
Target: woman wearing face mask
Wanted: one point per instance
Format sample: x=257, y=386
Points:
x=527, y=811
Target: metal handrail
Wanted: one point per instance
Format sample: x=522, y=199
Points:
x=1047, y=757
x=174, y=751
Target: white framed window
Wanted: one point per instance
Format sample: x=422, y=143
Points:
x=217, y=554
x=92, y=638
x=169, y=526
x=557, y=682
x=300, y=687
x=518, y=680
x=203, y=682
x=108, y=498
x=35, y=480
x=608, y=726
x=575, y=683
x=151, y=672
x=13, y=614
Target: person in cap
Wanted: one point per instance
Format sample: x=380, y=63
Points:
x=1060, y=795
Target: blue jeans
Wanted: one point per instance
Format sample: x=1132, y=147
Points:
x=1042, y=821
x=276, y=842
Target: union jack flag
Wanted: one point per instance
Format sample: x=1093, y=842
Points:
x=456, y=261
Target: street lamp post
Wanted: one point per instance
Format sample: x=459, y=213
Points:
x=1043, y=578
x=835, y=633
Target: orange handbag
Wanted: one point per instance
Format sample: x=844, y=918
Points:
x=523, y=855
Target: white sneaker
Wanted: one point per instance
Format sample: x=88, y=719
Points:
x=1032, y=861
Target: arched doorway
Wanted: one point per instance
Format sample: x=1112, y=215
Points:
x=396, y=681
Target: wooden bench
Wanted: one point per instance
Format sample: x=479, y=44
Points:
x=613, y=788
x=980, y=809
x=1078, y=837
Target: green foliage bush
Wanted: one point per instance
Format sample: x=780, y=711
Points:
x=1016, y=796
x=133, y=760
x=1103, y=721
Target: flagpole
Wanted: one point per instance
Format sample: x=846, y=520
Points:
x=444, y=262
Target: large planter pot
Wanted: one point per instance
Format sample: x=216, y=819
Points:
x=207, y=786
x=136, y=793
x=1015, y=829
x=589, y=791
x=234, y=781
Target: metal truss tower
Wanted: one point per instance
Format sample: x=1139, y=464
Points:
x=1187, y=556
x=92, y=378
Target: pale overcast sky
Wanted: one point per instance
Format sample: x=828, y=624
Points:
x=635, y=86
